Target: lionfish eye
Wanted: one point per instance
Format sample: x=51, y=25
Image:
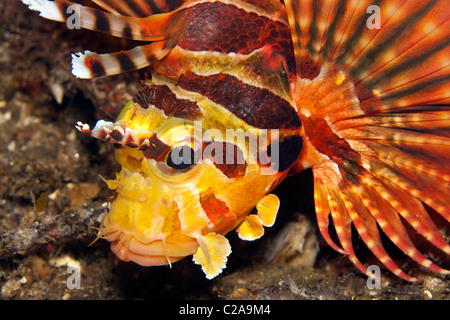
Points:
x=181, y=158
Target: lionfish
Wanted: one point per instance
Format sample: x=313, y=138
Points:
x=358, y=91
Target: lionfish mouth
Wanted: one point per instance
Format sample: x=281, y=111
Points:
x=156, y=252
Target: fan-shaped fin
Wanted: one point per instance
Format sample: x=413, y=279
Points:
x=212, y=254
x=375, y=107
x=251, y=228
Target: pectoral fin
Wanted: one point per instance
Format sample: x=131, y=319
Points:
x=212, y=254
x=268, y=209
x=252, y=228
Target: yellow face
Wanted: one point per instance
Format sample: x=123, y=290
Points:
x=179, y=190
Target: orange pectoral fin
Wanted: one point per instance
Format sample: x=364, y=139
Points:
x=376, y=119
x=267, y=209
x=253, y=226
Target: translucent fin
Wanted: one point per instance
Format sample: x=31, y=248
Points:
x=212, y=254
x=373, y=93
x=152, y=28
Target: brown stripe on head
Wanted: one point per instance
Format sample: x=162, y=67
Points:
x=218, y=151
x=154, y=149
x=256, y=106
x=130, y=143
x=164, y=99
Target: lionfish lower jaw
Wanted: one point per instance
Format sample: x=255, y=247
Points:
x=154, y=253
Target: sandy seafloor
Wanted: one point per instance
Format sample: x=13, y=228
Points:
x=52, y=196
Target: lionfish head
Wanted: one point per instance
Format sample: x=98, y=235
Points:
x=190, y=174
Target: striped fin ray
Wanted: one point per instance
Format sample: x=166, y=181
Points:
x=126, y=8
x=116, y=133
x=152, y=28
x=391, y=187
x=160, y=28
x=375, y=106
x=92, y=65
x=350, y=205
x=138, y=8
